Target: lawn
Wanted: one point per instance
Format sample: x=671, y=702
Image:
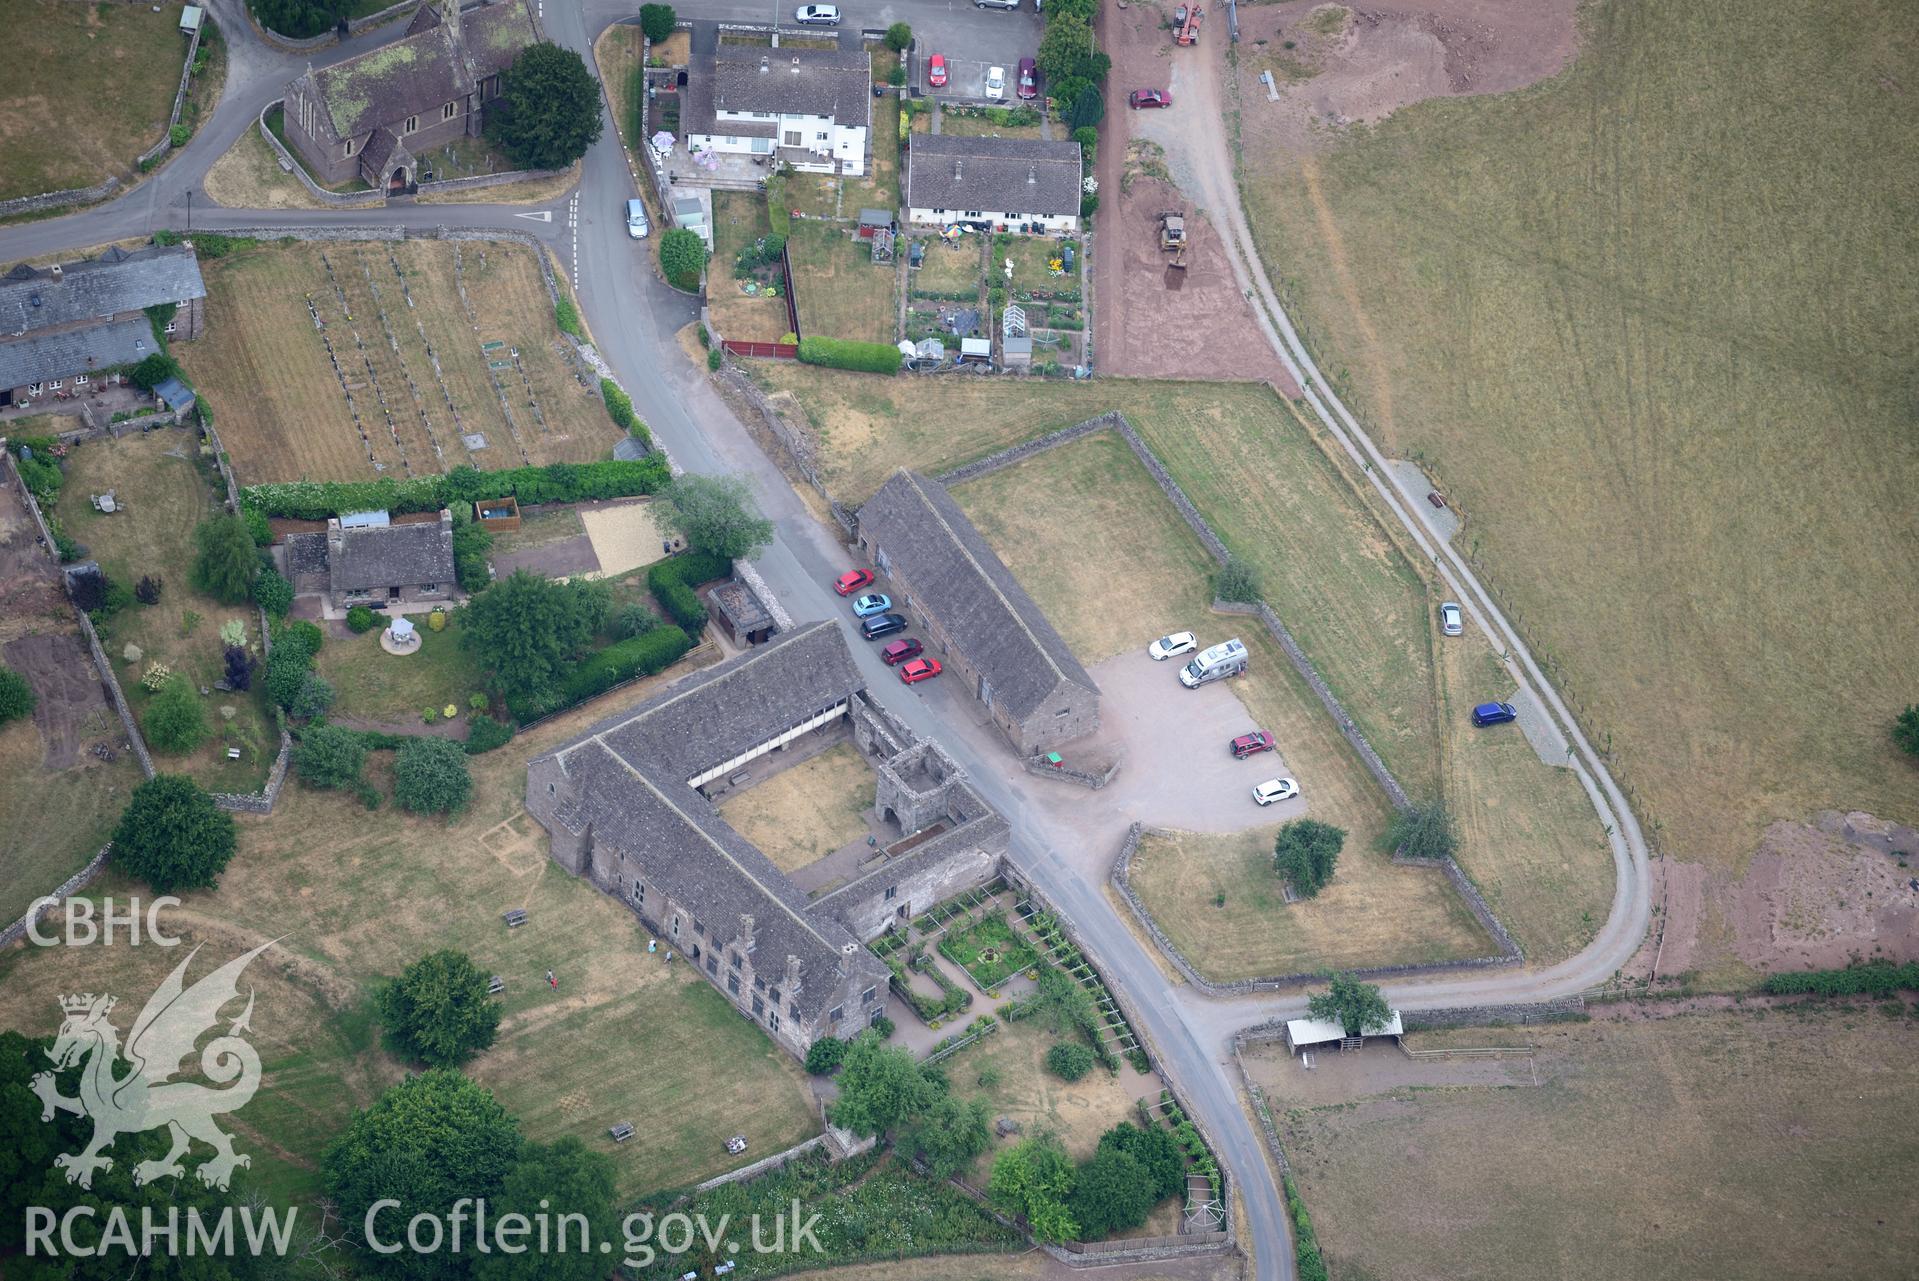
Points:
x=420, y=377
x=949, y=268
x=249, y=176
x=841, y=292
x=1032, y=258
x=824, y=196
x=168, y=489
x=1649, y=323
x=62, y=816
x=355, y=897
x=806, y=811
x=373, y=685
x=739, y=219
x=1735, y=1144
x=988, y=951
x=88, y=87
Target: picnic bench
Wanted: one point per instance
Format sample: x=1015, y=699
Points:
x=233, y=753
x=495, y=985
x=736, y=1145
x=515, y=918
x=621, y=1132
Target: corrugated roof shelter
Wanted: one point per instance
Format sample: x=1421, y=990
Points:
x=175, y=394
x=1306, y=1034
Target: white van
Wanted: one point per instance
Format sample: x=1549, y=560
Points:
x=1228, y=658
x=636, y=224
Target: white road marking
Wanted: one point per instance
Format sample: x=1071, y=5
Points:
x=545, y=215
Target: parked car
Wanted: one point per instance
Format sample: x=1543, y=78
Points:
x=996, y=83
x=920, y=669
x=899, y=651
x=1494, y=714
x=1252, y=744
x=1452, y=620
x=636, y=224
x=872, y=603
x=1275, y=789
x=1140, y=98
x=818, y=15
x=852, y=580
x=936, y=71
x=1028, y=78
x=1172, y=646
x=882, y=625
x=1000, y=4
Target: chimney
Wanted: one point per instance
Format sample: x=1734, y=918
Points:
x=791, y=983
x=1032, y=174
x=956, y=169
x=335, y=539
x=746, y=932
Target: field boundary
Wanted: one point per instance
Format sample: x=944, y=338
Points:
x=39, y=907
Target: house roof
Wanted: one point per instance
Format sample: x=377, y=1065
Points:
x=494, y=34
x=392, y=556
x=31, y=299
x=836, y=83
x=958, y=580
x=424, y=69
x=177, y=395
x=993, y=175
x=39, y=357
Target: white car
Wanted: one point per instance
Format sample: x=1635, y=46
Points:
x=1275, y=789
x=1172, y=646
x=636, y=224
x=1452, y=621
x=817, y=15
x=996, y=83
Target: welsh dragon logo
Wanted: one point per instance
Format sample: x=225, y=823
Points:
x=146, y=1098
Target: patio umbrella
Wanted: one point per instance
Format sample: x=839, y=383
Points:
x=663, y=142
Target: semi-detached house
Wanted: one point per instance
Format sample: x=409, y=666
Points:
x=810, y=108
x=1023, y=184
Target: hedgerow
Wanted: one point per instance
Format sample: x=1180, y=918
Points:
x=844, y=353
x=554, y=483
x=1880, y=978
x=672, y=581
x=619, y=407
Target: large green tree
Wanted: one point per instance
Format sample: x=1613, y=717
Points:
x=656, y=21
x=1360, y=1008
x=714, y=514
x=564, y=1178
x=1306, y=851
x=1034, y=1179
x=548, y=111
x=529, y=630
x=1156, y=1149
x=172, y=835
x=430, y=776
x=426, y=1143
x=947, y=1135
x=682, y=258
x=224, y=561
x=439, y=1011
x=1111, y=1193
x=880, y=1086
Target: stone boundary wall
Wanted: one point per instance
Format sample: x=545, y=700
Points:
x=797, y=448
x=17, y=931
x=338, y=200
x=765, y=1165
x=1026, y=449
x=479, y=181
x=1038, y=765
x=1522, y=1013
x=1482, y=912
x=354, y=27
x=744, y=571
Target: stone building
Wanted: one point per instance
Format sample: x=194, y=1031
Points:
x=629, y=805
x=976, y=616
x=62, y=327
x=372, y=116
x=368, y=559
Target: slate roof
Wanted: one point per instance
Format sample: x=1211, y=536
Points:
x=495, y=33
x=39, y=357
x=306, y=553
x=631, y=772
x=958, y=580
x=393, y=556
x=836, y=83
x=93, y=290
x=424, y=69
x=993, y=175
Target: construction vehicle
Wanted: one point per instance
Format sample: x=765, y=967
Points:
x=1186, y=24
x=1172, y=236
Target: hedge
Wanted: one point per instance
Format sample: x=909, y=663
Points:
x=672, y=582
x=1306, y=1255
x=619, y=407
x=602, y=670
x=555, y=483
x=843, y=353
x=1880, y=978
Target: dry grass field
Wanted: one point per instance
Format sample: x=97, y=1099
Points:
x=840, y=291
x=805, y=811
x=249, y=176
x=354, y=897
x=1656, y=318
x=63, y=814
x=504, y=371
x=87, y=88
x=1032, y=1265
x=949, y=268
x=739, y=219
x=1733, y=1144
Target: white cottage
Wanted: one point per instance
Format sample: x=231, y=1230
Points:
x=1022, y=184
x=812, y=108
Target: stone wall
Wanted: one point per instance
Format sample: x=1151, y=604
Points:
x=18, y=930
x=480, y=181
x=1067, y=774
x=293, y=164
x=1521, y=1013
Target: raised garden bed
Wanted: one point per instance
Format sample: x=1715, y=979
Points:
x=989, y=951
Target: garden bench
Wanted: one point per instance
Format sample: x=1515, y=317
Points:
x=495, y=985
x=621, y=1132
x=515, y=918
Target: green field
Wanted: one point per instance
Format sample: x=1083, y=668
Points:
x=1650, y=325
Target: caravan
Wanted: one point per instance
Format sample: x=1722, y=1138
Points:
x=1225, y=659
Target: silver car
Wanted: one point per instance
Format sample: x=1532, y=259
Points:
x=1452, y=620
x=817, y=15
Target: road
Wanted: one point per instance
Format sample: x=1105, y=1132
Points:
x=635, y=318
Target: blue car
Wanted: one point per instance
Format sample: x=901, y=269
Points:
x=870, y=604
x=1494, y=714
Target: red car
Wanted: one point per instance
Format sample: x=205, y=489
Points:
x=901, y=650
x=852, y=580
x=1252, y=744
x=1149, y=98
x=1028, y=81
x=936, y=71
x=920, y=669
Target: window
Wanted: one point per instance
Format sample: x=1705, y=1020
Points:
x=759, y=1006
x=820, y=137
x=892, y=892
x=33, y=389
x=793, y=1008
x=833, y=1015
x=450, y=110
x=56, y=384
x=550, y=791
x=773, y=1020
x=699, y=928
x=759, y=984
x=733, y=984
x=79, y=380
x=1062, y=712
x=712, y=963
x=434, y=587
x=169, y=326
x=866, y=997
x=412, y=123
x=349, y=146
x=676, y=925
x=639, y=890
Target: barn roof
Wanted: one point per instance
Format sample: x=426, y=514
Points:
x=90, y=290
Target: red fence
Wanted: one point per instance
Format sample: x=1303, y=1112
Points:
x=742, y=347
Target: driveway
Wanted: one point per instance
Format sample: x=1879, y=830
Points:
x=973, y=40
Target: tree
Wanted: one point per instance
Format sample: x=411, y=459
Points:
x=880, y=1086
x=898, y=36
x=1033, y=1179
x=1067, y=40
x=172, y=835
x=824, y=1055
x=1358, y=1007
x=272, y=592
x=430, y=777
x=635, y=619
x=471, y=542
x=154, y=370
x=329, y=756
x=1236, y=582
x=1069, y=1060
x=529, y=630
x=656, y=21
x=1088, y=108
x=563, y=1178
x=239, y=668
x=1423, y=830
x=288, y=666
x=1157, y=1150
x=1305, y=852
x=147, y=591
x=314, y=698
x=439, y=1011
x=947, y=1135
x=548, y=111
x=682, y=258
x=174, y=721
x=1905, y=731
x=17, y=698
x=225, y=563
x=427, y=1142
x=714, y=514
x=1111, y=1193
